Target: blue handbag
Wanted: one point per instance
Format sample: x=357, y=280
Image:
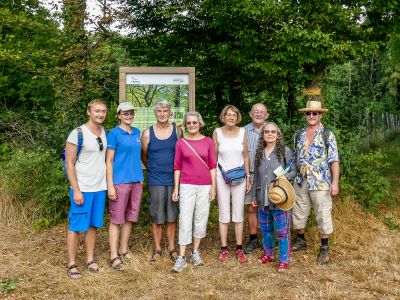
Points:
x=233, y=176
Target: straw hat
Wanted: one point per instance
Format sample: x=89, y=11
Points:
x=281, y=193
x=313, y=105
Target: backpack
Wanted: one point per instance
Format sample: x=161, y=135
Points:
x=80, y=144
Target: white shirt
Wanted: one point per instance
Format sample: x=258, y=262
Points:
x=91, y=164
x=230, y=150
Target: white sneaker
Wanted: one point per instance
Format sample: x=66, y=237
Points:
x=180, y=264
x=196, y=258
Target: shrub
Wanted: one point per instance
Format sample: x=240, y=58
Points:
x=37, y=175
x=363, y=180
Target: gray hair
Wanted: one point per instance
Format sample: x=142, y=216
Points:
x=162, y=103
x=193, y=114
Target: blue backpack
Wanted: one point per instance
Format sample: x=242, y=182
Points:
x=80, y=144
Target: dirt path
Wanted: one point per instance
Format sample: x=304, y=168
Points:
x=365, y=264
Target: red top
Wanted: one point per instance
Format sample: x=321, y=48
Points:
x=193, y=171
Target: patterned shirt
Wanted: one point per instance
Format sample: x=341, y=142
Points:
x=252, y=143
x=314, y=164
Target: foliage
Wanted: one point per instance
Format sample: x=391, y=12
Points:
x=37, y=175
x=363, y=179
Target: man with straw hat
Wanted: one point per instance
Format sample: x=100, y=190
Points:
x=317, y=177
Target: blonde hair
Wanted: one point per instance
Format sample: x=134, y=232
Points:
x=96, y=101
x=234, y=109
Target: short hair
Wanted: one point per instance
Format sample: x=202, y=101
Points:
x=234, y=109
x=259, y=103
x=162, y=103
x=193, y=114
x=96, y=101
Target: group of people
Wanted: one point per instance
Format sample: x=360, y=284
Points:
x=186, y=172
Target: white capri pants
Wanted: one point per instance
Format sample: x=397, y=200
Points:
x=224, y=193
x=194, y=208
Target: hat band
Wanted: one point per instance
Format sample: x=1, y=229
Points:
x=284, y=191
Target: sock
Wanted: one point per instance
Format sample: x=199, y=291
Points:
x=224, y=248
x=253, y=237
x=301, y=236
x=324, y=242
x=239, y=247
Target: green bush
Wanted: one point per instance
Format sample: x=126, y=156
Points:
x=362, y=179
x=37, y=175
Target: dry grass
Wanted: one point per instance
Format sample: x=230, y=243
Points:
x=365, y=264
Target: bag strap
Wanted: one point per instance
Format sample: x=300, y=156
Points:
x=195, y=153
x=80, y=141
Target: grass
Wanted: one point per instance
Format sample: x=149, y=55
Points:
x=364, y=265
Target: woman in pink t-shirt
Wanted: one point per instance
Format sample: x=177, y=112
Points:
x=195, y=187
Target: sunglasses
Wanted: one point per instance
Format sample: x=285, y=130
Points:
x=193, y=122
x=100, y=142
x=312, y=113
x=129, y=113
x=273, y=131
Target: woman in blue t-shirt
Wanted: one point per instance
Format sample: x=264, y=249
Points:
x=124, y=182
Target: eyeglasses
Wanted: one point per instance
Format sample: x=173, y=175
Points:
x=273, y=131
x=259, y=112
x=128, y=113
x=100, y=142
x=193, y=122
x=314, y=113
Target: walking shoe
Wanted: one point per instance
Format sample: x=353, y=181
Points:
x=323, y=257
x=223, y=255
x=240, y=256
x=299, y=245
x=180, y=264
x=282, y=267
x=265, y=259
x=196, y=258
x=251, y=246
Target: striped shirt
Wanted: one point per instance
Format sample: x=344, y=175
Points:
x=252, y=142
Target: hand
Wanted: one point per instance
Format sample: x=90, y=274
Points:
x=175, y=195
x=212, y=194
x=112, y=195
x=254, y=203
x=248, y=185
x=334, y=189
x=78, y=198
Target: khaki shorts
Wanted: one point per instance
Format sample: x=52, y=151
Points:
x=321, y=201
x=248, y=197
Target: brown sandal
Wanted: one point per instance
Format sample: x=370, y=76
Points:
x=91, y=269
x=116, y=264
x=156, y=256
x=73, y=274
x=173, y=254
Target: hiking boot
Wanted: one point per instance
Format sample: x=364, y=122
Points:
x=180, y=264
x=282, y=267
x=251, y=246
x=223, y=255
x=196, y=258
x=240, y=256
x=299, y=245
x=323, y=256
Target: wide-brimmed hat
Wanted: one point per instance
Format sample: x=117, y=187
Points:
x=313, y=105
x=125, y=106
x=281, y=193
